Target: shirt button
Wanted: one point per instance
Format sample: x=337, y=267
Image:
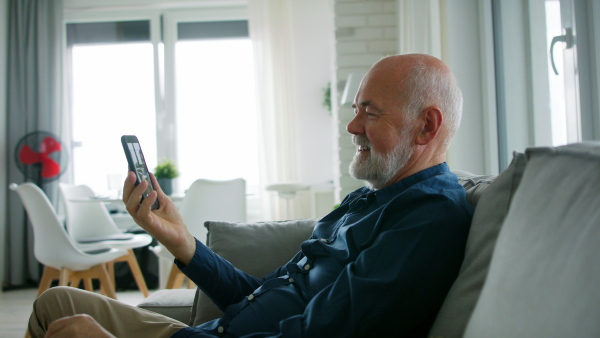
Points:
x=324, y=240
x=220, y=329
x=251, y=297
x=291, y=280
x=307, y=267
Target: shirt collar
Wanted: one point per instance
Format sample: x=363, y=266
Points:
x=386, y=194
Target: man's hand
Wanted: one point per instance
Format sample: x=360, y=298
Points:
x=165, y=224
x=77, y=326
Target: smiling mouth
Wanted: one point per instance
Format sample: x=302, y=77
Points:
x=363, y=148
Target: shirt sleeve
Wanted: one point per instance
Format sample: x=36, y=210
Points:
x=219, y=279
x=400, y=280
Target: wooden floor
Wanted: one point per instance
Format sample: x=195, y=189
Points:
x=15, y=308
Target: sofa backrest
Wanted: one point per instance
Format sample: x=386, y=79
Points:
x=530, y=262
x=544, y=276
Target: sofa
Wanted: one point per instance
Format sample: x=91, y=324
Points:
x=531, y=259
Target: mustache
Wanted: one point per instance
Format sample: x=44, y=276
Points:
x=361, y=140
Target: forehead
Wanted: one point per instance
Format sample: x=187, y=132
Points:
x=379, y=89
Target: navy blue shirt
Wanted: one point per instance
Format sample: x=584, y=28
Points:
x=379, y=265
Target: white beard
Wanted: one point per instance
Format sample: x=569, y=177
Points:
x=377, y=170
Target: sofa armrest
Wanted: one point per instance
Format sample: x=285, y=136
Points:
x=173, y=303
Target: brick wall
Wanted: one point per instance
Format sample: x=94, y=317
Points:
x=365, y=31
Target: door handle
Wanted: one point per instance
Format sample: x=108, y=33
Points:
x=568, y=38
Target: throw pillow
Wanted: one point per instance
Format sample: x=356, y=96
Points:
x=475, y=185
x=255, y=248
x=490, y=211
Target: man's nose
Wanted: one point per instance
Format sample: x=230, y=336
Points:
x=356, y=127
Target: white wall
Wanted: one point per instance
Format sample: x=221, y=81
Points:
x=365, y=32
x=3, y=117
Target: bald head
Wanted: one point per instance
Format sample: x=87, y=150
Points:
x=421, y=81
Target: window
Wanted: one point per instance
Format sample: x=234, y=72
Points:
x=189, y=97
x=112, y=95
x=556, y=80
x=215, y=107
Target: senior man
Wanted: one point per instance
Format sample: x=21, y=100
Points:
x=379, y=265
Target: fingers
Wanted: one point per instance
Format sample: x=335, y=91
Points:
x=155, y=183
x=128, y=185
x=132, y=195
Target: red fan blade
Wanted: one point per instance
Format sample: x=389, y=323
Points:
x=49, y=145
x=28, y=156
x=50, y=168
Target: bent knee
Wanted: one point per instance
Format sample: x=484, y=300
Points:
x=56, y=301
x=55, y=294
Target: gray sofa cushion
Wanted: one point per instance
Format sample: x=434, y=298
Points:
x=492, y=204
x=544, y=276
x=255, y=248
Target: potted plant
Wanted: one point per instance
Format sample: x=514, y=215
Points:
x=165, y=172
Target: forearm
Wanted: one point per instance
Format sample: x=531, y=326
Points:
x=220, y=280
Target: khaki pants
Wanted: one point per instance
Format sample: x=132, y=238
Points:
x=120, y=319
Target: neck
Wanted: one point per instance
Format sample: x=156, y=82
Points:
x=423, y=157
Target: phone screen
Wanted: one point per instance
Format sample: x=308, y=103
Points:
x=137, y=164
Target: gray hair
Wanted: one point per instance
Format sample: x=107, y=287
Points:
x=433, y=86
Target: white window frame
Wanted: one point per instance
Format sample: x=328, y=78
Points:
x=166, y=138
x=163, y=36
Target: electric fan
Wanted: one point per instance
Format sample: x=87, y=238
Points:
x=41, y=157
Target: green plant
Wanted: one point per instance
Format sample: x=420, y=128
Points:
x=166, y=169
x=327, y=98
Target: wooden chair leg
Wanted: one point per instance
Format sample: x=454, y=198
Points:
x=105, y=281
x=87, y=284
x=48, y=276
x=75, y=282
x=137, y=272
x=175, y=278
x=64, y=278
x=110, y=268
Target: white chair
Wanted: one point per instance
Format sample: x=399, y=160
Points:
x=206, y=200
x=91, y=226
x=53, y=247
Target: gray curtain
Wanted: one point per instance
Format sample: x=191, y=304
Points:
x=34, y=104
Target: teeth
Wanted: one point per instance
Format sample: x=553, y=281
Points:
x=363, y=148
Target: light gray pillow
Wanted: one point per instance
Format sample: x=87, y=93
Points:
x=544, y=276
x=492, y=204
x=255, y=248
x=475, y=185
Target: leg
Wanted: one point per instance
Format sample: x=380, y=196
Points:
x=120, y=319
x=175, y=278
x=137, y=272
x=87, y=283
x=47, y=277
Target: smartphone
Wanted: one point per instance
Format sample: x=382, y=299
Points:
x=137, y=164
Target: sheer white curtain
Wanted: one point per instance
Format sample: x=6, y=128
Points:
x=270, y=31
x=419, y=27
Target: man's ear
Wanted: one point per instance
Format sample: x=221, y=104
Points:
x=431, y=124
